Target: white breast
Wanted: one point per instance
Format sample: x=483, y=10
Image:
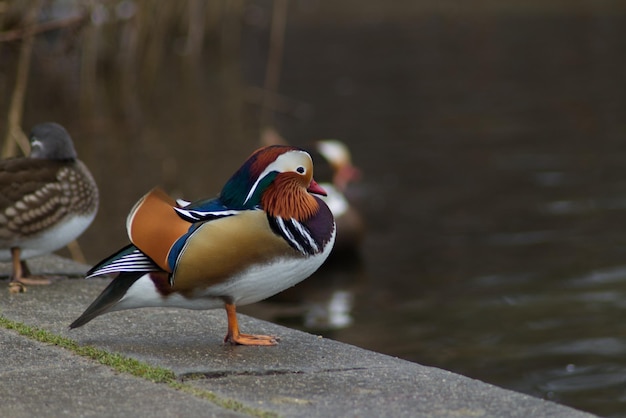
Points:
x=49, y=241
x=251, y=285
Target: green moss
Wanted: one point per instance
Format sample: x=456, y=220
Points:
x=130, y=366
x=115, y=361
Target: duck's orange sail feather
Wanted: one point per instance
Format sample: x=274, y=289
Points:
x=153, y=226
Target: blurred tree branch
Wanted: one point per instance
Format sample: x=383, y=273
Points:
x=274, y=60
x=15, y=135
x=32, y=29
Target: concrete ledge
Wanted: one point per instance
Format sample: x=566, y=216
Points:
x=303, y=376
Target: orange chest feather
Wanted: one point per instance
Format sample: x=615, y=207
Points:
x=286, y=199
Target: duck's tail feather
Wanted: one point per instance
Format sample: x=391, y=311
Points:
x=109, y=297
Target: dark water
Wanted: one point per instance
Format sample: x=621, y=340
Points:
x=494, y=154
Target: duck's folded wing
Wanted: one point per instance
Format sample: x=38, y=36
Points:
x=158, y=225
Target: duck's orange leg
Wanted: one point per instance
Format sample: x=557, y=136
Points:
x=235, y=337
x=18, y=279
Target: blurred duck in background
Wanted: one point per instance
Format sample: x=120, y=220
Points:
x=335, y=173
x=47, y=200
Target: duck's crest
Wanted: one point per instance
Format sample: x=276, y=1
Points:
x=238, y=192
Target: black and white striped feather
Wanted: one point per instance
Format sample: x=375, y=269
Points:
x=128, y=259
x=297, y=235
x=193, y=215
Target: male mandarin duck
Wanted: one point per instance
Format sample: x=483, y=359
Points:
x=46, y=201
x=338, y=157
x=266, y=231
x=335, y=172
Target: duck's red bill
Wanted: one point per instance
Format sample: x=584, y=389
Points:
x=316, y=188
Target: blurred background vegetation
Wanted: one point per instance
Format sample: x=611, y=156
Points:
x=108, y=55
x=141, y=85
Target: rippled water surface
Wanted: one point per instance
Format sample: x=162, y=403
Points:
x=494, y=159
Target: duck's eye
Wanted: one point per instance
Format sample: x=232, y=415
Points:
x=301, y=170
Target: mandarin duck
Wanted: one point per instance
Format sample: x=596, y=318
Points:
x=338, y=157
x=266, y=231
x=47, y=200
x=335, y=172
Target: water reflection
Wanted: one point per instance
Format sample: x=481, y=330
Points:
x=333, y=314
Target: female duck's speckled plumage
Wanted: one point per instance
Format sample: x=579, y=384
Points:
x=46, y=200
x=263, y=233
